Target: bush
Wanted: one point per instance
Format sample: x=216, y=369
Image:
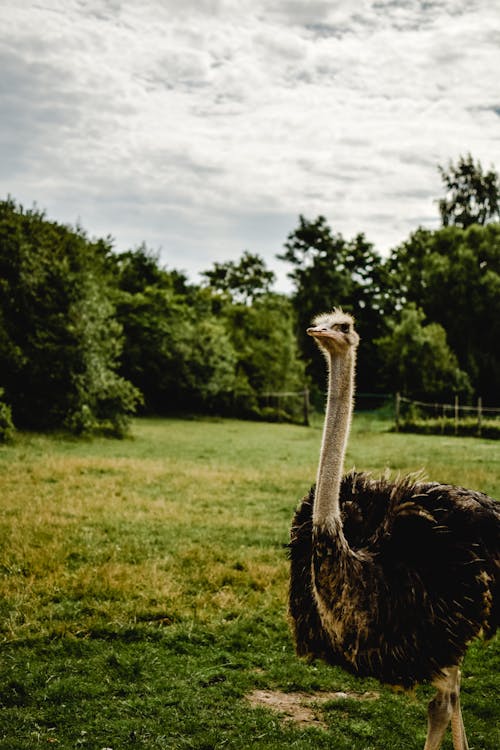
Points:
x=6, y=424
x=109, y=411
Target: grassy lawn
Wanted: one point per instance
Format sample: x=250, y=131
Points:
x=143, y=592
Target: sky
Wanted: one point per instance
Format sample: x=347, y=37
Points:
x=205, y=128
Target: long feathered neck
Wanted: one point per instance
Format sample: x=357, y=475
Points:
x=338, y=415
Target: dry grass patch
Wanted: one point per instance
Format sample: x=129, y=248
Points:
x=304, y=709
x=88, y=537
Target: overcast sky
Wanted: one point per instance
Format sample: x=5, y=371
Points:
x=204, y=128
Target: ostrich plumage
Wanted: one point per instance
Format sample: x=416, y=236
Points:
x=422, y=581
x=390, y=579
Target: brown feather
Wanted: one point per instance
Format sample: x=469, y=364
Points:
x=420, y=579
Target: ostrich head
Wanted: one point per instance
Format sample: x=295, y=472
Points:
x=334, y=332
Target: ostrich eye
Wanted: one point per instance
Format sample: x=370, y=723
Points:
x=344, y=327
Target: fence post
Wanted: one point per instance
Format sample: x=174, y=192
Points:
x=456, y=413
x=398, y=409
x=479, y=414
x=306, y=406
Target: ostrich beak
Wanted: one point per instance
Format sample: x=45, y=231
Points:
x=318, y=331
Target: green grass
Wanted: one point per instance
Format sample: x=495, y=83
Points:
x=143, y=590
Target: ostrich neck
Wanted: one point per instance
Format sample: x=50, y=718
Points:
x=333, y=447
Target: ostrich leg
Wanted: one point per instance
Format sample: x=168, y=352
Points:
x=457, y=723
x=439, y=715
x=443, y=708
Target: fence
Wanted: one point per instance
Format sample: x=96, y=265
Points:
x=450, y=418
x=410, y=415
x=297, y=404
x=288, y=404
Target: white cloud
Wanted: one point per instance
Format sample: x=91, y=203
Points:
x=207, y=127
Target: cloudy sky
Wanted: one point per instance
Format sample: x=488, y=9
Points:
x=205, y=127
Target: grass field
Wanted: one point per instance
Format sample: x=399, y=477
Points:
x=143, y=592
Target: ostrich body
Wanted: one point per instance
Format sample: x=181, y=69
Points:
x=390, y=579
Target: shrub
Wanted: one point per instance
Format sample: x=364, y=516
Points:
x=6, y=424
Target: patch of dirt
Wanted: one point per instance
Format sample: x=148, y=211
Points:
x=303, y=709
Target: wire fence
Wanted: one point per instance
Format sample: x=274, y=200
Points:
x=298, y=407
x=447, y=418
x=287, y=405
x=407, y=415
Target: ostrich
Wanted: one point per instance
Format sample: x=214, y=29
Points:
x=390, y=579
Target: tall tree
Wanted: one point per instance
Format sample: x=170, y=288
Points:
x=328, y=270
x=417, y=359
x=59, y=339
x=454, y=276
x=472, y=196
x=266, y=349
x=175, y=349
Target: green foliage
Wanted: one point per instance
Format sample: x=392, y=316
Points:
x=243, y=281
x=140, y=268
x=6, y=424
x=59, y=341
x=211, y=362
x=176, y=351
x=197, y=349
x=266, y=349
x=417, y=359
x=85, y=331
x=330, y=271
x=453, y=275
x=472, y=196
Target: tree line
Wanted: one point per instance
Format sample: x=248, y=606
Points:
x=89, y=336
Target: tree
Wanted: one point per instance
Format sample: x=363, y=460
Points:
x=244, y=281
x=176, y=351
x=472, y=197
x=59, y=339
x=196, y=348
x=453, y=275
x=418, y=361
x=329, y=271
x=141, y=268
x=267, y=355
